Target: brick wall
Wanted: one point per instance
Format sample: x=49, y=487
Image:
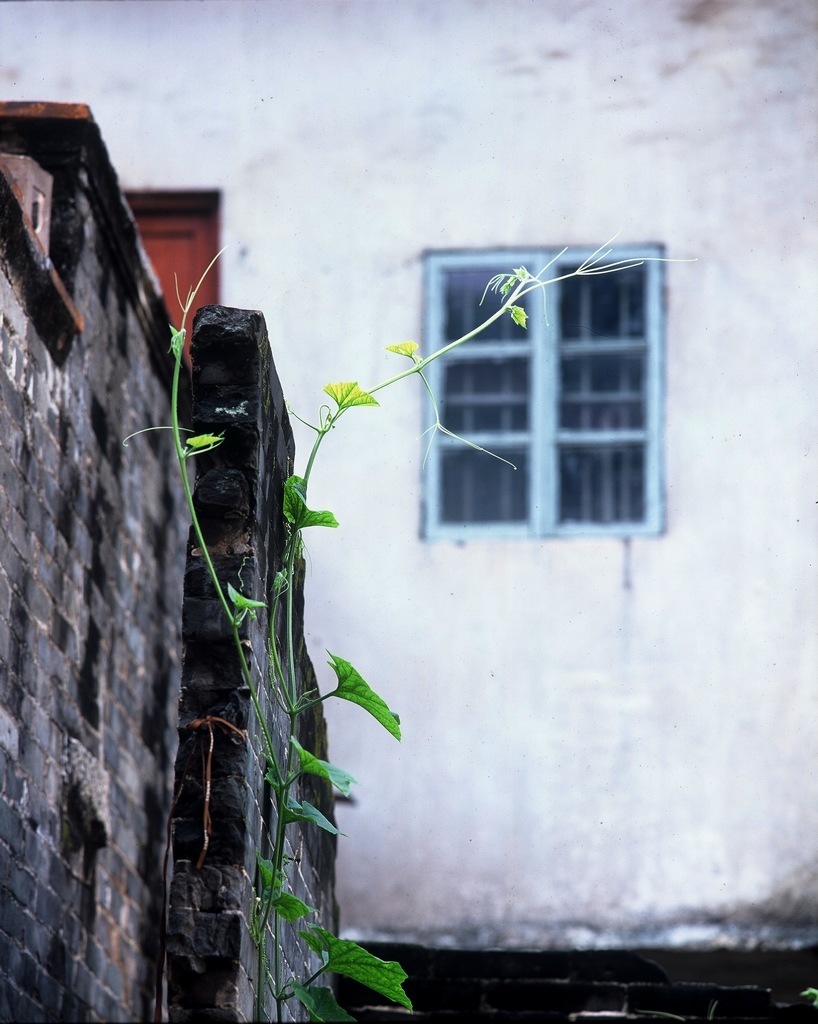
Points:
x=238, y=491
x=91, y=564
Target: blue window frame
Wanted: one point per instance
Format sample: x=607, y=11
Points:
x=570, y=407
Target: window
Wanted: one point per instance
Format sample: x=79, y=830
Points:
x=573, y=401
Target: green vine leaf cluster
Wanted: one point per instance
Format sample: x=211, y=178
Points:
x=275, y=906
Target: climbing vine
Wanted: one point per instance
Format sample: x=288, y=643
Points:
x=276, y=907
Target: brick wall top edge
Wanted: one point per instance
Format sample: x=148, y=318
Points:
x=46, y=110
x=66, y=141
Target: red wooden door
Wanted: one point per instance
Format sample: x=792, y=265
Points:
x=180, y=232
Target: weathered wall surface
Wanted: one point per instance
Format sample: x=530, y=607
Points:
x=91, y=562
x=619, y=739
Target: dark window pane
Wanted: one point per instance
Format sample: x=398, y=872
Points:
x=571, y=374
x=633, y=325
x=463, y=292
x=571, y=308
x=477, y=488
x=603, y=416
x=602, y=391
x=605, y=373
x=603, y=305
x=485, y=395
x=602, y=485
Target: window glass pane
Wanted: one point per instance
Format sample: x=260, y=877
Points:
x=602, y=485
x=485, y=395
x=463, y=291
x=602, y=391
x=477, y=488
x=603, y=306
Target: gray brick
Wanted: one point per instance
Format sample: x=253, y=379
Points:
x=37, y=938
x=51, y=994
x=11, y=827
x=32, y=758
x=27, y=1009
x=22, y=884
x=49, y=904
x=94, y=958
x=113, y=980
x=36, y=852
x=5, y=863
x=12, y=919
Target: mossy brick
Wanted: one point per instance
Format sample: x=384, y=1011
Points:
x=229, y=840
x=205, y=620
x=223, y=493
x=202, y=993
x=212, y=668
x=226, y=406
x=224, y=334
x=205, y=935
x=212, y=889
x=239, y=570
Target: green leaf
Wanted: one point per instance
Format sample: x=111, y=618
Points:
x=353, y=688
x=295, y=506
x=504, y=283
x=240, y=601
x=510, y=281
x=811, y=993
x=320, y=1003
x=305, y=811
x=406, y=348
x=518, y=315
x=177, y=341
x=290, y=907
x=353, y=961
x=348, y=393
x=315, y=944
x=267, y=874
x=265, y=869
x=323, y=769
x=270, y=778
x=206, y=441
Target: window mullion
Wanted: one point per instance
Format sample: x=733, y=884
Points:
x=654, y=390
x=544, y=400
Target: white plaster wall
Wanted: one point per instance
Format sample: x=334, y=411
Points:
x=602, y=741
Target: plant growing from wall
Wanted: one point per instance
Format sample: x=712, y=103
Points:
x=276, y=906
